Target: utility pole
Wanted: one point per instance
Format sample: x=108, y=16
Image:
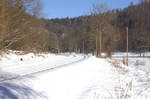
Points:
x=127, y=46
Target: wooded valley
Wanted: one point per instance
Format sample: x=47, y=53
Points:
x=103, y=30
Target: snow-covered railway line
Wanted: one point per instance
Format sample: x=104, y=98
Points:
x=24, y=70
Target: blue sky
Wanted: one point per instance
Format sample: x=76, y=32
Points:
x=73, y=8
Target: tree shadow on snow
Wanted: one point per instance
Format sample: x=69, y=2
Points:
x=18, y=90
x=14, y=91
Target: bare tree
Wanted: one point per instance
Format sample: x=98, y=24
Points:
x=98, y=23
x=101, y=28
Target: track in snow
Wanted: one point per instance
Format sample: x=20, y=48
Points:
x=26, y=70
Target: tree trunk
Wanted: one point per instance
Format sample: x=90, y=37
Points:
x=100, y=40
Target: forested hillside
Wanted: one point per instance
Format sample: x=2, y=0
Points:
x=20, y=28
x=137, y=19
x=103, y=30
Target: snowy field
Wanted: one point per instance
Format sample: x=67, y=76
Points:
x=30, y=63
x=73, y=76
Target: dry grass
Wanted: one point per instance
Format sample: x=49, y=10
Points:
x=117, y=64
x=124, y=61
x=96, y=96
x=123, y=89
x=21, y=52
x=140, y=63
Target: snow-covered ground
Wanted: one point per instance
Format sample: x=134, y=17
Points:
x=30, y=63
x=74, y=76
x=137, y=74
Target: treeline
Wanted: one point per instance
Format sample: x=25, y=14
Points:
x=112, y=25
x=86, y=34
x=102, y=31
